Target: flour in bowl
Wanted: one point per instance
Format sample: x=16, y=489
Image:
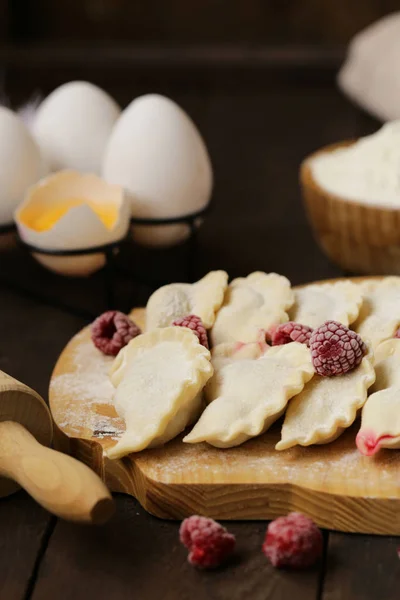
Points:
x=368, y=171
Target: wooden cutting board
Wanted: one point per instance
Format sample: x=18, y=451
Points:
x=334, y=484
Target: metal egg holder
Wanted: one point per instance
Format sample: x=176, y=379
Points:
x=110, y=251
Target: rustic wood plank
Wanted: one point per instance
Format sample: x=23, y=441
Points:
x=136, y=554
x=24, y=527
x=259, y=208
x=153, y=56
x=243, y=20
x=30, y=339
x=361, y=568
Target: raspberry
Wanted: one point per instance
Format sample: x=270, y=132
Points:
x=194, y=323
x=112, y=330
x=335, y=349
x=293, y=541
x=290, y=332
x=397, y=334
x=209, y=543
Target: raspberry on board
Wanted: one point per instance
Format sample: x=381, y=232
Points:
x=293, y=541
x=194, y=323
x=209, y=543
x=290, y=332
x=113, y=330
x=335, y=349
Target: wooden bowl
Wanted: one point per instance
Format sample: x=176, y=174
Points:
x=357, y=237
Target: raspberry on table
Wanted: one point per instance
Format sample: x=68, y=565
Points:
x=113, y=330
x=209, y=543
x=335, y=349
x=194, y=323
x=290, y=332
x=293, y=541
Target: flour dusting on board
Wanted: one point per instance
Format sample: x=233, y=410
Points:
x=316, y=465
x=89, y=410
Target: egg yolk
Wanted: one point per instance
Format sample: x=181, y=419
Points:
x=45, y=220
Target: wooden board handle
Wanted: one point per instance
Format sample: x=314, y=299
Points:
x=61, y=484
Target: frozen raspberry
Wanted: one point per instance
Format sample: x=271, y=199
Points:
x=112, y=330
x=335, y=349
x=290, y=332
x=209, y=543
x=194, y=323
x=293, y=541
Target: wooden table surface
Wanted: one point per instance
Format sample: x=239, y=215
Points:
x=258, y=125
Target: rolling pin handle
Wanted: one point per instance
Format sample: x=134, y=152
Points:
x=61, y=484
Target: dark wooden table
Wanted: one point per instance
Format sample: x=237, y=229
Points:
x=259, y=124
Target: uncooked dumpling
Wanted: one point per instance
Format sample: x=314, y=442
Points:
x=315, y=304
x=249, y=391
x=380, y=422
x=380, y=426
x=176, y=300
x=326, y=406
x=158, y=377
x=379, y=316
x=251, y=306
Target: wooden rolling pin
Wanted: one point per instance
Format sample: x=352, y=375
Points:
x=64, y=486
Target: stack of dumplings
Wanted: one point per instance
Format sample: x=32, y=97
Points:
x=166, y=381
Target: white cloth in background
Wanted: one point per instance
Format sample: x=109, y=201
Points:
x=370, y=75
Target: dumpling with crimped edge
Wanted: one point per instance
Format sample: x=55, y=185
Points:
x=158, y=377
x=326, y=407
x=315, y=304
x=387, y=365
x=380, y=417
x=176, y=300
x=249, y=391
x=380, y=425
x=251, y=306
x=379, y=316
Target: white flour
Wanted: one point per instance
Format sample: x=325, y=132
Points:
x=314, y=466
x=88, y=387
x=368, y=171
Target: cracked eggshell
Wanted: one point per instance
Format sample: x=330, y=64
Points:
x=156, y=152
x=72, y=126
x=20, y=162
x=76, y=227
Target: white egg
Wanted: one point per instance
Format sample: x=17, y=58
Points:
x=156, y=152
x=20, y=163
x=27, y=113
x=73, y=124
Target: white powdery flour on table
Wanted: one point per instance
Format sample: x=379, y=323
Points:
x=87, y=386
